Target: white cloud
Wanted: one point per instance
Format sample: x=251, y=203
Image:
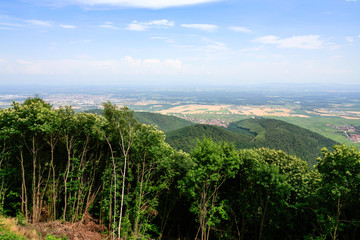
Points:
x=10, y=26
x=203, y=27
x=142, y=26
x=109, y=25
x=350, y=39
x=304, y=42
x=153, y=4
x=67, y=26
x=124, y=66
x=239, y=29
x=168, y=40
x=38, y=22
x=213, y=45
x=255, y=49
x=134, y=26
x=351, y=0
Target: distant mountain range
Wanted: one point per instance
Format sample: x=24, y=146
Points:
x=248, y=133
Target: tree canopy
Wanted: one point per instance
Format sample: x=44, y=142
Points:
x=56, y=164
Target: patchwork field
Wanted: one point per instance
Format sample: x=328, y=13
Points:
x=231, y=109
x=316, y=120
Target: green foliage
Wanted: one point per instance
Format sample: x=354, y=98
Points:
x=339, y=190
x=56, y=164
x=186, y=138
x=213, y=164
x=291, y=139
x=21, y=220
x=162, y=122
x=52, y=237
x=6, y=234
x=256, y=133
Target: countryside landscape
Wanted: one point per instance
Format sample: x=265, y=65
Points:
x=179, y=120
x=333, y=114
x=293, y=135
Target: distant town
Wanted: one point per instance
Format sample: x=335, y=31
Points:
x=352, y=132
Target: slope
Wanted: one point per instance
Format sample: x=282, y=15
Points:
x=186, y=138
x=257, y=133
x=164, y=123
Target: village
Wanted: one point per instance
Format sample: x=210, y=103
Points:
x=352, y=132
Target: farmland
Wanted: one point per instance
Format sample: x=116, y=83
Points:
x=314, y=110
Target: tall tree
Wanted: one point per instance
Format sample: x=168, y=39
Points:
x=121, y=133
x=340, y=189
x=213, y=164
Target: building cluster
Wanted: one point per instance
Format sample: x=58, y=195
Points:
x=215, y=122
x=352, y=132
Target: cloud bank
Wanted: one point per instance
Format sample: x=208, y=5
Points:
x=304, y=42
x=142, y=26
x=152, y=4
x=123, y=66
x=239, y=29
x=203, y=27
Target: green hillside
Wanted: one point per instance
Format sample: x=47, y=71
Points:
x=162, y=122
x=185, y=138
x=290, y=138
x=256, y=133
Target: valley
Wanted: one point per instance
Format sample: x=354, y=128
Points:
x=314, y=108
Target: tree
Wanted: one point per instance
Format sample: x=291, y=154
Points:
x=120, y=134
x=340, y=188
x=212, y=165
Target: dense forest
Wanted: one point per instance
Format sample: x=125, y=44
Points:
x=255, y=133
x=60, y=165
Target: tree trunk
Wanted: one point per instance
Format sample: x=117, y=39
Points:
x=24, y=200
x=34, y=188
x=52, y=146
x=263, y=219
x=69, y=143
x=338, y=212
x=122, y=196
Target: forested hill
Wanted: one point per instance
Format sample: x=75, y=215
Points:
x=186, y=138
x=288, y=137
x=162, y=122
x=256, y=133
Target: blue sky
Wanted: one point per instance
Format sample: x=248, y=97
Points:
x=179, y=42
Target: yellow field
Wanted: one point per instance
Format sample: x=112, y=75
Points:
x=194, y=109
x=145, y=103
x=230, y=109
x=327, y=113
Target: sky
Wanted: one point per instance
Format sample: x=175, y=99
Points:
x=179, y=42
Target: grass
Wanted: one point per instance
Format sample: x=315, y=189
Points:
x=10, y=230
x=14, y=229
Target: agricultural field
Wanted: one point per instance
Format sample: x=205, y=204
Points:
x=313, y=109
